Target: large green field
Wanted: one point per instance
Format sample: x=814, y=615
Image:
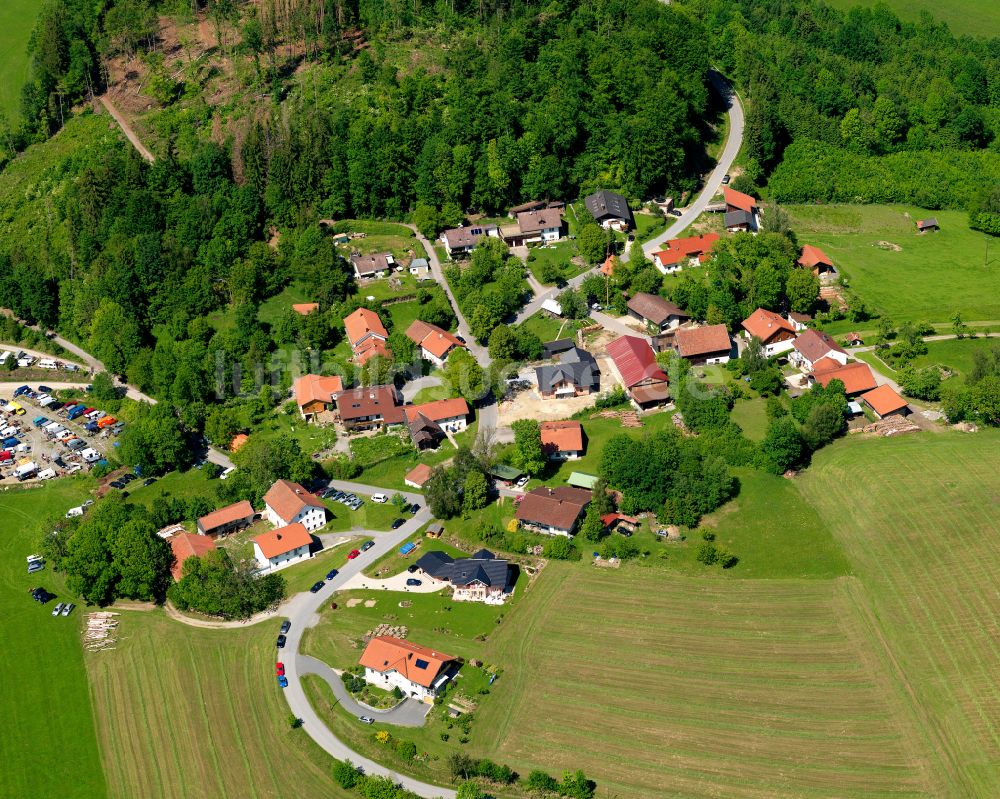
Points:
x=17, y=19
x=928, y=278
x=48, y=725
x=972, y=17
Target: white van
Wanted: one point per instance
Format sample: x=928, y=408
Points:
x=46, y=400
x=9, y=431
x=73, y=512
x=227, y=472
x=26, y=361
x=5, y=356
x=46, y=474
x=90, y=455
x=26, y=470
x=47, y=363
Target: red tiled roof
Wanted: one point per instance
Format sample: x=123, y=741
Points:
x=561, y=436
x=287, y=498
x=418, y=475
x=369, y=349
x=227, y=515
x=814, y=344
x=557, y=507
x=884, y=400
x=694, y=341
x=856, y=376
x=305, y=308
x=766, y=324
x=738, y=199
x=635, y=361
x=238, y=441
x=608, y=267
x=432, y=338
x=438, y=410
x=284, y=539
x=416, y=663
x=362, y=322
x=610, y=518
x=188, y=545
x=311, y=388
x=813, y=256
x=676, y=250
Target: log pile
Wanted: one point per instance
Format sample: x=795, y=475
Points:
x=627, y=418
x=101, y=631
x=891, y=426
x=394, y=630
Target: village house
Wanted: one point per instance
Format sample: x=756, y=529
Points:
x=927, y=225
x=704, y=345
x=369, y=407
x=550, y=349
x=854, y=340
x=435, y=344
x=815, y=260
x=800, y=321
x=419, y=672
x=541, y=226
x=417, y=476
x=655, y=310
x=552, y=511
x=314, y=394
x=576, y=374
x=856, y=376
x=776, y=334
x=638, y=371
x=287, y=503
x=562, y=441
x=366, y=335
x=812, y=346
x=463, y=240
x=305, y=308
x=419, y=267
x=226, y=520
x=884, y=402
x=619, y=523
x=690, y=251
x=451, y=414
x=741, y=212
x=482, y=577
x=424, y=433
x=283, y=547
x=368, y=267
x=186, y=545
x=610, y=210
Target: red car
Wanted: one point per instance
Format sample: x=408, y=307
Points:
x=353, y=554
x=279, y=669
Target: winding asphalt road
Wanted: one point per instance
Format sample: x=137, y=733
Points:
x=711, y=185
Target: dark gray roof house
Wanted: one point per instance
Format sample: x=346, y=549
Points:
x=738, y=219
x=576, y=367
x=482, y=567
x=607, y=206
x=551, y=349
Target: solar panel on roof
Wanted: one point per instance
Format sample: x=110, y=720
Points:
x=420, y=664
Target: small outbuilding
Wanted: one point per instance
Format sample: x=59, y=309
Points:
x=885, y=402
x=927, y=225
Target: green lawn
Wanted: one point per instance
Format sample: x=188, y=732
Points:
x=928, y=279
x=390, y=472
x=48, y=730
x=312, y=438
x=274, y=307
x=370, y=516
x=432, y=393
x=751, y=415
x=648, y=225
x=972, y=17
x=380, y=237
x=177, y=485
x=403, y=313
x=558, y=255
x=549, y=328
x=17, y=20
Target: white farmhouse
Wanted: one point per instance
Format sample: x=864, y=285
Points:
x=279, y=548
x=419, y=672
x=287, y=503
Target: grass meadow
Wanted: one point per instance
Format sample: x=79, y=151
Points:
x=48, y=723
x=928, y=279
x=17, y=20
x=972, y=17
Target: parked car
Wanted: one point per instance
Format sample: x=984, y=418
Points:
x=281, y=641
x=414, y=508
x=353, y=554
x=414, y=581
x=35, y=566
x=411, y=568
x=366, y=719
x=380, y=498
x=331, y=574
x=57, y=609
x=397, y=523
x=522, y=482
x=726, y=179
x=44, y=390
x=279, y=668
x=317, y=586
x=367, y=545
x=68, y=608
x=149, y=481
x=41, y=595
x=286, y=625
x=283, y=681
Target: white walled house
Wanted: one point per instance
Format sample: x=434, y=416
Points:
x=811, y=347
x=282, y=547
x=288, y=503
x=419, y=672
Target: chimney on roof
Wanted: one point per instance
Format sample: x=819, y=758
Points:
x=278, y=536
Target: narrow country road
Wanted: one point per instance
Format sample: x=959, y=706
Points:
x=126, y=128
x=712, y=183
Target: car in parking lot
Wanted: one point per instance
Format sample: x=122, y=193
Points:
x=317, y=586
x=414, y=581
x=281, y=641
x=411, y=568
x=380, y=498
x=68, y=608
x=286, y=625
x=397, y=523
x=279, y=668
x=57, y=609
x=353, y=554
x=367, y=545
x=35, y=566
x=149, y=481
x=366, y=719
x=283, y=681
x=44, y=390
x=331, y=574
x=414, y=508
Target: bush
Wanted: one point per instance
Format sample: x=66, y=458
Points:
x=707, y=553
x=406, y=749
x=345, y=773
x=560, y=548
x=539, y=781
x=613, y=399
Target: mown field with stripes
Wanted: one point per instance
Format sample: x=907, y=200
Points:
x=186, y=712
x=668, y=686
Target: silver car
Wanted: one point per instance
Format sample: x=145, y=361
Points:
x=68, y=609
